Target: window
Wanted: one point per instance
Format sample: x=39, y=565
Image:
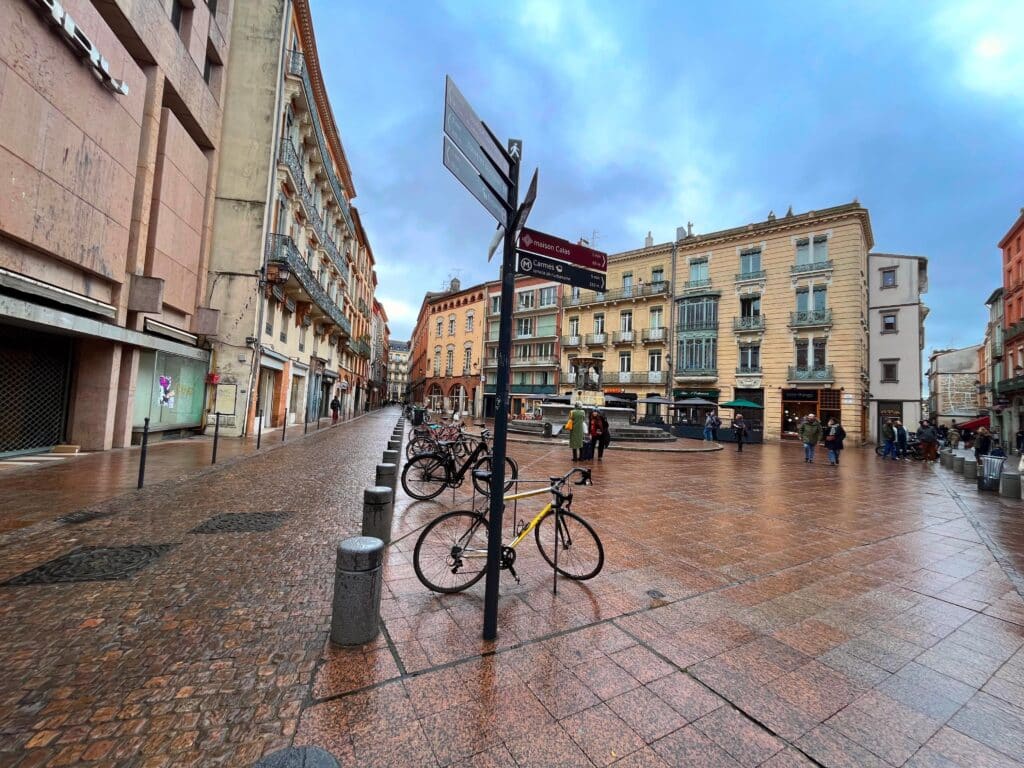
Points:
x=889, y=323
x=521, y=351
x=626, y=321
x=575, y=293
x=627, y=283
x=808, y=299
x=654, y=360
x=271, y=308
x=495, y=305
x=658, y=275
x=286, y=317
x=574, y=326
x=801, y=354
x=750, y=359
x=525, y=300
x=656, y=317
x=625, y=362
x=524, y=327
x=889, y=278
x=547, y=349
x=750, y=306
x=698, y=314
x=469, y=321
x=818, y=346
x=548, y=296
x=699, y=271
x=812, y=250
x=437, y=361
x=890, y=370
x=208, y=66
x=697, y=354
x=176, y=13
x=440, y=327
x=750, y=261
x=467, y=360
x=449, y=361
x=302, y=337
x=451, y=325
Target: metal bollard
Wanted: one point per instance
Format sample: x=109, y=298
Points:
x=394, y=445
x=142, y=453
x=391, y=457
x=378, y=511
x=387, y=474
x=958, y=464
x=970, y=469
x=259, y=431
x=1009, y=484
x=355, y=611
x=216, y=437
x=284, y=425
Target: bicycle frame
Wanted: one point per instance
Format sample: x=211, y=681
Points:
x=537, y=520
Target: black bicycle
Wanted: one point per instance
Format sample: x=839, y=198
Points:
x=426, y=475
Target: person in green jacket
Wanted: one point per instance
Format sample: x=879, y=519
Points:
x=810, y=436
x=579, y=419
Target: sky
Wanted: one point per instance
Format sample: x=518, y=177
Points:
x=642, y=116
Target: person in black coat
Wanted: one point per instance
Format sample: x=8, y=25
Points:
x=834, y=436
x=604, y=437
x=982, y=444
x=739, y=430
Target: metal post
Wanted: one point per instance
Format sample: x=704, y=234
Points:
x=498, y=452
x=305, y=423
x=259, y=430
x=284, y=425
x=142, y=454
x=216, y=437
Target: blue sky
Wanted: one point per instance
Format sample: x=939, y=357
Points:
x=645, y=115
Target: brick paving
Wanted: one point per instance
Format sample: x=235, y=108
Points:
x=753, y=610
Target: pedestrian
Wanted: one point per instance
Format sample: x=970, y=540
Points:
x=953, y=437
x=335, y=409
x=739, y=430
x=1020, y=440
x=889, y=439
x=715, y=424
x=810, y=436
x=982, y=444
x=602, y=436
x=902, y=437
x=834, y=436
x=575, y=425
x=929, y=438
x=709, y=425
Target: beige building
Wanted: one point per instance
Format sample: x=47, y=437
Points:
x=108, y=158
x=398, y=371
x=773, y=312
x=291, y=265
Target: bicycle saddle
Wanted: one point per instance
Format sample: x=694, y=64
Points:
x=482, y=474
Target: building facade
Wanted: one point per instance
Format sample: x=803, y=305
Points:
x=109, y=146
x=291, y=265
x=627, y=325
x=1011, y=386
x=953, y=379
x=896, y=317
x=379, y=354
x=991, y=373
x=398, y=371
x=535, y=357
x=447, y=349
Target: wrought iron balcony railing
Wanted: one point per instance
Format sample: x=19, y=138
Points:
x=633, y=377
x=655, y=334
x=1015, y=384
x=817, y=373
x=693, y=371
x=749, y=323
x=692, y=285
x=596, y=339
x=814, y=266
x=655, y=288
x=810, y=318
x=748, y=370
x=624, y=337
x=281, y=248
x=697, y=325
x=757, y=274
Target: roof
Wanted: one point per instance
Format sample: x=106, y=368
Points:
x=899, y=256
x=399, y=346
x=1013, y=230
x=996, y=295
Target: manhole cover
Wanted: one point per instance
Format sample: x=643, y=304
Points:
x=242, y=522
x=83, y=516
x=93, y=564
x=655, y=594
x=298, y=757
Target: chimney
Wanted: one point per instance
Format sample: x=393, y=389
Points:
x=680, y=233
x=455, y=285
x=689, y=229
x=648, y=241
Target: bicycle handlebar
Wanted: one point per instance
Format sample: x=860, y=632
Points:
x=585, y=478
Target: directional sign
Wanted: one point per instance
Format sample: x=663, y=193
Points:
x=456, y=130
x=456, y=102
x=495, y=242
x=463, y=170
x=548, y=245
x=559, y=271
x=524, y=210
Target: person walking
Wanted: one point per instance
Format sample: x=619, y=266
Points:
x=834, y=436
x=929, y=439
x=953, y=437
x=889, y=439
x=982, y=444
x=715, y=424
x=335, y=409
x=739, y=430
x=902, y=436
x=575, y=425
x=810, y=436
x=1020, y=440
x=603, y=436
x=709, y=426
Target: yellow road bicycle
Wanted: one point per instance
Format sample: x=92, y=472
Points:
x=451, y=553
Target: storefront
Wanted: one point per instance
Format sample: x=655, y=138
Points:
x=798, y=403
x=170, y=391
x=887, y=410
x=693, y=415
x=35, y=377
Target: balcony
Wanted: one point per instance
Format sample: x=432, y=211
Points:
x=571, y=341
x=596, y=339
x=534, y=362
x=693, y=372
x=697, y=325
x=697, y=285
x=281, y=250
x=297, y=68
x=821, y=373
x=633, y=377
x=656, y=288
x=529, y=389
x=751, y=324
x=749, y=370
x=363, y=308
x=811, y=268
x=1016, y=384
x=526, y=310
x=744, y=277
x=363, y=349
x=812, y=318
x=623, y=337
x=1013, y=330
x=655, y=334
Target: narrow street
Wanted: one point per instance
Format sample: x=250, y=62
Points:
x=752, y=610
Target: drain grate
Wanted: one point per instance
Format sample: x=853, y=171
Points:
x=83, y=516
x=93, y=564
x=242, y=522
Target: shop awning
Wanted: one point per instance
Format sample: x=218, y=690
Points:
x=981, y=421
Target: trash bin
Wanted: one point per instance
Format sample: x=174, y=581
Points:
x=418, y=415
x=989, y=473
x=547, y=429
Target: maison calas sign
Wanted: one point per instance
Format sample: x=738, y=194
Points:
x=80, y=43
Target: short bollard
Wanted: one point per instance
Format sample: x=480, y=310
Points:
x=391, y=457
x=970, y=469
x=387, y=474
x=1009, y=485
x=355, y=612
x=378, y=511
x=958, y=464
x=394, y=445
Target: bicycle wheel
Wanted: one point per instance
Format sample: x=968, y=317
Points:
x=484, y=487
x=425, y=476
x=417, y=445
x=451, y=553
x=580, y=553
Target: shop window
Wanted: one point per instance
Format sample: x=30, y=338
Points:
x=170, y=390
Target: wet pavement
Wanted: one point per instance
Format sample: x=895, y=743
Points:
x=753, y=610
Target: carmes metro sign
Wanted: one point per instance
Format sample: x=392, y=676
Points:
x=80, y=43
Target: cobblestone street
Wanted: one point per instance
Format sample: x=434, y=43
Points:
x=752, y=610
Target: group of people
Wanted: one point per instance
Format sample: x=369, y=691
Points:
x=588, y=433
x=895, y=440
x=740, y=430
x=812, y=432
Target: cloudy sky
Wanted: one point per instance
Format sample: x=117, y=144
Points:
x=645, y=115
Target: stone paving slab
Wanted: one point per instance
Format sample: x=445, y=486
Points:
x=753, y=610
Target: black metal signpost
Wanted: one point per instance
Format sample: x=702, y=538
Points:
x=490, y=172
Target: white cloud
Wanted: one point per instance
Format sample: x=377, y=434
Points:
x=401, y=314
x=979, y=36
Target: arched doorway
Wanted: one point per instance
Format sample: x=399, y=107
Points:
x=435, y=398
x=459, y=399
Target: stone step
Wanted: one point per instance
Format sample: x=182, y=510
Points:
x=65, y=449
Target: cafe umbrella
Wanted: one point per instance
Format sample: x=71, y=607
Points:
x=740, y=404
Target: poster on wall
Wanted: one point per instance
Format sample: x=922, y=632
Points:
x=166, y=392
x=224, y=399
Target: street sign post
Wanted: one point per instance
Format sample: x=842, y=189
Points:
x=560, y=272
x=491, y=173
x=548, y=245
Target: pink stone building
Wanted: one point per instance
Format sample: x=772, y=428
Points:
x=108, y=161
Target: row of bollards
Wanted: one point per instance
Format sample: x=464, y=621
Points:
x=358, y=573
x=1005, y=480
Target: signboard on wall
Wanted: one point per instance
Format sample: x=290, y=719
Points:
x=224, y=399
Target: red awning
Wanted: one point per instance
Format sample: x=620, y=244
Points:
x=981, y=421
